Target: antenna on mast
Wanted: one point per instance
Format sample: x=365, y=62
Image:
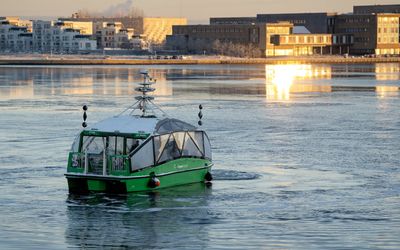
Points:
x=144, y=102
x=144, y=99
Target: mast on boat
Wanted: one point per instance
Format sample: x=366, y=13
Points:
x=144, y=103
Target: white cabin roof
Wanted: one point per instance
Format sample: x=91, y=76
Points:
x=129, y=124
x=125, y=124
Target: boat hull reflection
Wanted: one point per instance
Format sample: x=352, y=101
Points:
x=140, y=220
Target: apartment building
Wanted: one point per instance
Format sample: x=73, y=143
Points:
x=58, y=37
x=16, y=21
x=112, y=35
x=14, y=38
x=85, y=28
x=154, y=29
x=139, y=42
x=84, y=43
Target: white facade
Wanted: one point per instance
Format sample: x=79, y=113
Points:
x=85, y=43
x=55, y=37
x=14, y=38
x=140, y=43
x=112, y=35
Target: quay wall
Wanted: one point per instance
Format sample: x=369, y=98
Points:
x=283, y=60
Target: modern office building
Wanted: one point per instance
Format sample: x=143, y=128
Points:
x=373, y=33
x=271, y=39
x=371, y=9
x=315, y=22
x=281, y=41
x=200, y=38
x=371, y=29
x=233, y=20
x=155, y=29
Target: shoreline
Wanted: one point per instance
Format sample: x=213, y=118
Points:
x=74, y=60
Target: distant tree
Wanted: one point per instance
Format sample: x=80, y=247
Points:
x=235, y=49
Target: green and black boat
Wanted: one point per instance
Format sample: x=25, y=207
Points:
x=138, y=150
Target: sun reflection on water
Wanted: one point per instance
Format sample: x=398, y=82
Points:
x=280, y=80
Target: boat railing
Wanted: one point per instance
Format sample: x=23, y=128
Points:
x=118, y=165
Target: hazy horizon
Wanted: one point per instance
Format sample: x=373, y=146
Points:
x=195, y=11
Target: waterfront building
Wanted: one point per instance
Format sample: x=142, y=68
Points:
x=322, y=22
x=233, y=20
x=281, y=41
x=139, y=42
x=16, y=21
x=113, y=35
x=371, y=29
x=373, y=33
x=84, y=43
x=317, y=23
x=370, y=9
x=155, y=29
x=58, y=37
x=14, y=38
x=271, y=39
x=201, y=38
x=85, y=28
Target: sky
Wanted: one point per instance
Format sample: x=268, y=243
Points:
x=194, y=10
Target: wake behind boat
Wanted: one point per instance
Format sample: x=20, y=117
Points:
x=141, y=149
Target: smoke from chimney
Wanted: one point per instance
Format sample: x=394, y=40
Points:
x=124, y=9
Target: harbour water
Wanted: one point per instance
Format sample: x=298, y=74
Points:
x=306, y=157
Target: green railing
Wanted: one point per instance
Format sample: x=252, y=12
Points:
x=116, y=164
x=76, y=162
x=119, y=165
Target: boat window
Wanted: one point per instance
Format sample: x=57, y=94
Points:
x=167, y=147
x=179, y=139
x=190, y=148
x=131, y=144
x=197, y=138
x=144, y=157
x=92, y=144
x=159, y=144
x=171, y=151
x=115, y=145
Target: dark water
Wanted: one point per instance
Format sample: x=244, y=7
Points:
x=306, y=157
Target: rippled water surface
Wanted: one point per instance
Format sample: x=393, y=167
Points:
x=306, y=157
